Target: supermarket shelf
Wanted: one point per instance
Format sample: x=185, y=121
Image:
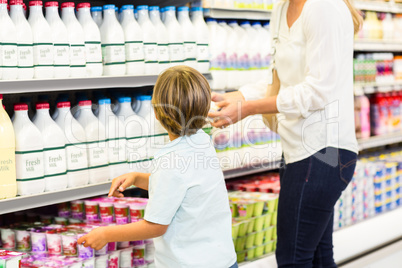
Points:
x=236, y=13
x=378, y=141
x=50, y=198
x=251, y=169
x=379, y=6
x=46, y=85
x=354, y=240
x=371, y=88
x=377, y=45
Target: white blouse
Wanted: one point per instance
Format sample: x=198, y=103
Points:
x=314, y=60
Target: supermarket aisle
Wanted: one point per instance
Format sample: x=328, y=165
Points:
x=389, y=257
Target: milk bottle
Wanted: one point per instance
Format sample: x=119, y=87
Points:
x=25, y=42
x=76, y=147
x=157, y=132
x=8, y=183
x=231, y=57
x=8, y=40
x=253, y=51
x=176, y=40
x=202, y=37
x=134, y=42
x=162, y=11
x=76, y=37
x=24, y=9
x=136, y=132
x=163, y=38
x=96, y=142
x=28, y=153
x=54, y=149
x=150, y=41
x=116, y=139
x=265, y=48
x=96, y=13
x=242, y=53
x=218, y=54
x=189, y=37
x=61, y=43
x=93, y=49
x=43, y=42
x=113, y=47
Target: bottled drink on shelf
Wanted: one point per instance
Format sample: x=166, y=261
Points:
x=217, y=50
x=189, y=37
x=133, y=42
x=8, y=40
x=61, y=42
x=116, y=139
x=175, y=33
x=43, y=41
x=8, y=177
x=76, y=37
x=113, y=50
x=29, y=161
x=136, y=132
x=96, y=13
x=76, y=147
x=96, y=143
x=24, y=41
x=93, y=49
x=362, y=117
x=163, y=38
x=54, y=149
x=202, y=37
x=150, y=41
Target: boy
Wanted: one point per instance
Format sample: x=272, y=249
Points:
x=188, y=212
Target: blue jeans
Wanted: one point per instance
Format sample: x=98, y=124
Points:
x=309, y=191
x=234, y=265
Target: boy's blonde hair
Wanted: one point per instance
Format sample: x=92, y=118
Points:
x=181, y=100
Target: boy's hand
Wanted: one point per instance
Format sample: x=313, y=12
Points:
x=121, y=183
x=94, y=239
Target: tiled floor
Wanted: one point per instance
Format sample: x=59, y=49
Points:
x=388, y=257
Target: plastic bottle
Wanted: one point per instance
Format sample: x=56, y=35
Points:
x=163, y=39
x=76, y=36
x=231, y=56
x=242, y=53
x=189, y=37
x=202, y=37
x=136, y=132
x=93, y=49
x=150, y=41
x=176, y=40
x=29, y=159
x=253, y=54
x=388, y=27
x=396, y=112
x=362, y=117
x=61, y=43
x=218, y=54
x=54, y=149
x=25, y=42
x=96, y=141
x=96, y=13
x=76, y=147
x=116, y=12
x=43, y=42
x=8, y=40
x=8, y=177
x=135, y=64
x=113, y=51
x=265, y=47
x=115, y=135
x=24, y=9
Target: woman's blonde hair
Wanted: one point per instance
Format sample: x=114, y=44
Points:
x=356, y=16
x=181, y=100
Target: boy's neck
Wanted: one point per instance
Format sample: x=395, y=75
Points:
x=172, y=136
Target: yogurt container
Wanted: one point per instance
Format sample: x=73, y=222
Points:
x=106, y=211
x=91, y=210
x=102, y=261
x=77, y=209
x=8, y=238
x=69, y=242
x=38, y=241
x=64, y=210
x=137, y=210
x=23, y=240
x=54, y=244
x=85, y=252
x=114, y=259
x=121, y=212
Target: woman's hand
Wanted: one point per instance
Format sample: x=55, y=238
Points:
x=230, y=109
x=95, y=239
x=121, y=183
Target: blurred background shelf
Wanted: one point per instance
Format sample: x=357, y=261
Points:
x=378, y=141
x=236, y=13
x=251, y=169
x=379, y=6
x=377, y=46
x=370, y=88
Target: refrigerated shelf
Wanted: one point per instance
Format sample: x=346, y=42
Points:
x=237, y=13
x=370, y=88
x=377, y=46
x=354, y=240
x=378, y=141
x=379, y=6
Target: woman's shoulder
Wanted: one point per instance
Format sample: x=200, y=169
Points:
x=323, y=5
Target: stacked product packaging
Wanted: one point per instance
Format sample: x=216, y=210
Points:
x=254, y=220
x=375, y=188
x=47, y=241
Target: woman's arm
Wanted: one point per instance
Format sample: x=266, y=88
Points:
x=121, y=183
x=135, y=231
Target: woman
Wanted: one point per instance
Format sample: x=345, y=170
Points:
x=314, y=62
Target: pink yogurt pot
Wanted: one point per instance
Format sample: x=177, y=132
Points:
x=91, y=210
x=121, y=211
x=137, y=210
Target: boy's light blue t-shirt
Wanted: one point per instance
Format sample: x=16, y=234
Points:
x=187, y=192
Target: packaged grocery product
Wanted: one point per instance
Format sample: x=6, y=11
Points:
x=175, y=33
x=163, y=39
x=9, y=39
x=96, y=13
x=189, y=37
x=202, y=37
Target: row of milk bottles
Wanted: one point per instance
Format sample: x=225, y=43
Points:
x=75, y=147
x=240, y=54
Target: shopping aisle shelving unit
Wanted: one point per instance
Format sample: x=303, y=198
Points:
x=251, y=169
x=379, y=6
x=354, y=240
x=361, y=89
x=378, y=141
x=377, y=46
x=237, y=13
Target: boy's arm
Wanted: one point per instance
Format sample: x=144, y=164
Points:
x=121, y=183
x=140, y=230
